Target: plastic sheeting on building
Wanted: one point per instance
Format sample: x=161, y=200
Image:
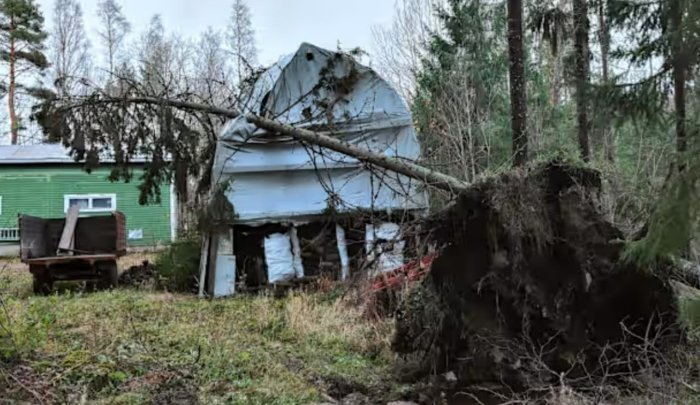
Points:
x=276, y=178
x=384, y=246
x=279, y=258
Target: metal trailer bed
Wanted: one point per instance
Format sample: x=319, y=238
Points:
x=97, y=243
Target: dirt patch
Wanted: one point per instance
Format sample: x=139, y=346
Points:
x=339, y=387
x=25, y=385
x=144, y=275
x=176, y=392
x=530, y=284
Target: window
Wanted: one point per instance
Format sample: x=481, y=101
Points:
x=0, y=205
x=91, y=202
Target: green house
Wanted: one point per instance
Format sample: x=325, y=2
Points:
x=43, y=180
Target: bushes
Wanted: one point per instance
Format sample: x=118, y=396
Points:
x=178, y=265
x=690, y=315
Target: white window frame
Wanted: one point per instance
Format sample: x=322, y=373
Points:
x=0, y=205
x=89, y=197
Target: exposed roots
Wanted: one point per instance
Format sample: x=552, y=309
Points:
x=529, y=260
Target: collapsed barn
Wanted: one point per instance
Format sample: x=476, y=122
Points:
x=302, y=210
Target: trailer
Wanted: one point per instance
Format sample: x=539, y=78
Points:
x=73, y=249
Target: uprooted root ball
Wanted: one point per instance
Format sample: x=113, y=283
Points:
x=529, y=260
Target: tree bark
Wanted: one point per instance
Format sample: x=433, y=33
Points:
x=680, y=66
x=582, y=70
x=401, y=166
x=14, y=124
x=604, y=38
x=428, y=176
x=518, y=100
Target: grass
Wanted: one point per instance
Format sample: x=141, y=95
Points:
x=132, y=347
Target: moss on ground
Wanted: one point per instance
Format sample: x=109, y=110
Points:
x=131, y=347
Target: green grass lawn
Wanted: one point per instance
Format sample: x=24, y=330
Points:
x=132, y=347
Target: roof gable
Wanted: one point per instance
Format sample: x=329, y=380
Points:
x=315, y=86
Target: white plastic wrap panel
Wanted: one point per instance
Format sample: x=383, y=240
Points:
x=296, y=252
x=231, y=158
x=225, y=276
x=279, y=258
x=383, y=244
x=297, y=193
x=342, y=252
x=370, y=96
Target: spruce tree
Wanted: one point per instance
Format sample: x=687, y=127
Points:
x=667, y=31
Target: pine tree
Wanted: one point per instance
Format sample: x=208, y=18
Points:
x=21, y=47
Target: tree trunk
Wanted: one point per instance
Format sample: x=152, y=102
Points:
x=680, y=66
x=14, y=123
x=582, y=66
x=428, y=176
x=604, y=38
x=679, y=79
x=556, y=72
x=518, y=100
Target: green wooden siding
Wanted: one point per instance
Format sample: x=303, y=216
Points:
x=40, y=191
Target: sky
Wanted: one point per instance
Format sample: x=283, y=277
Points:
x=280, y=25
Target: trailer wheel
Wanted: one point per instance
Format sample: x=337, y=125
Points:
x=41, y=281
x=109, y=275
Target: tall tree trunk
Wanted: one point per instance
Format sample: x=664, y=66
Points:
x=14, y=124
x=604, y=38
x=680, y=66
x=518, y=100
x=679, y=80
x=582, y=69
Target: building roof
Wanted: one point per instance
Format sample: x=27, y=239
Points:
x=277, y=179
x=301, y=90
x=45, y=153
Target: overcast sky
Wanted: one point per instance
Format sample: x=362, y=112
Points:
x=280, y=25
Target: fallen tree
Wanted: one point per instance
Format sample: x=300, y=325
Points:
x=526, y=260
x=323, y=139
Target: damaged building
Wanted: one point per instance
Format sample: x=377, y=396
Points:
x=301, y=210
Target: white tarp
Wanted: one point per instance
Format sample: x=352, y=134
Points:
x=279, y=258
x=296, y=252
x=276, y=178
x=383, y=244
x=342, y=252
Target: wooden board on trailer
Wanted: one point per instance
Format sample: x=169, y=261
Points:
x=66, y=242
